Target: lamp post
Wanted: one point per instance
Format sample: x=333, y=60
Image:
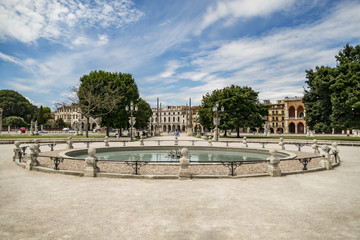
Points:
x=216, y=110
x=132, y=120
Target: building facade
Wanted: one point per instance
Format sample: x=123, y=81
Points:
x=171, y=118
x=71, y=115
x=294, y=115
x=287, y=116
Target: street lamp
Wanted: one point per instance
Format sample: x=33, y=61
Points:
x=216, y=110
x=132, y=120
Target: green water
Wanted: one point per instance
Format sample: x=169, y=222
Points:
x=194, y=155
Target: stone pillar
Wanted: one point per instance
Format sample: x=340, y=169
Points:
x=106, y=141
x=244, y=142
x=69, y=143
x=142, y=141
x=184, y=172
x=210, y=143
x=32, y=128
x=282, y=144
x=315, y=147
x=273, y=167
x=176, y=142
x=325, y=162
x=91, y=164
x=216, y=135
x=36, y=128
x=32, y=162
x=17, y=151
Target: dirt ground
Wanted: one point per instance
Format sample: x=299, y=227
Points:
x=319, y=205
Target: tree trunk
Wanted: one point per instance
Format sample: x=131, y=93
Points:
x=237, y=132
x=87, y=127
x=107, y=131
x=225, y=134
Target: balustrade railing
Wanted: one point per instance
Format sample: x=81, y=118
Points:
x=136, y=165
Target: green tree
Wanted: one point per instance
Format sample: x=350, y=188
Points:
x=14, y=104
x=143, y=114
x=317, y=98
x=60, y=123
x=99, y=94
x=128, y=92
x=14, y=121
x=40, y=116
x=332, y=98
x=345, y=90
x=241, y=104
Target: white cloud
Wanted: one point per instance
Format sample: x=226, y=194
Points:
x=273, y=64
x=63, y=20
x=233, y=9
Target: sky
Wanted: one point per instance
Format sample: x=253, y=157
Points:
x=174, y=49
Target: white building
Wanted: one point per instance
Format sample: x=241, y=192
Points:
x=171, y=118
x=72, y=115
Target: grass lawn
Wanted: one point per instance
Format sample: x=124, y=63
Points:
x=48, y=136
x=335, y=138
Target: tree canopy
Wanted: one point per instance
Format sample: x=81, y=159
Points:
x=128, y=92
x=14, y=104
x=99, y=94
x=332, y=98
x=241, y=104
x=143, y=114
x=14, y=121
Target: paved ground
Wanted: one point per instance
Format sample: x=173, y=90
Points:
x=321, y=205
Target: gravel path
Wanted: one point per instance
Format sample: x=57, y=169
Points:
x=319, y=205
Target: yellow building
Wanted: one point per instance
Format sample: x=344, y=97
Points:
x=294, y=115
x=287, y=116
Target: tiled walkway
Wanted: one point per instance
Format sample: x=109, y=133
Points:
x=320, y=205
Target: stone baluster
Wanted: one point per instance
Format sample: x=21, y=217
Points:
x=106, y=141
x=273, y=166
x=17, y=151
x=32, y=162
x=325, y=162
x=69, y=143
x=282, y=144
x=91, y=168
x=37, y=144
x=315, y=146
x=176, y=142
x=335, y=151
x=184, y=172
x=210, y=143
x=244, y=142
x=142, y=141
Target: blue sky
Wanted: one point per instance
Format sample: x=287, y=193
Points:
x=174, y=49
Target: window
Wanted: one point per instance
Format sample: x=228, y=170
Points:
x=173, y=119
x=164, y=119
x=169, y=119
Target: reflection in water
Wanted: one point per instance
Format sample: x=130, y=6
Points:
x=194, y=155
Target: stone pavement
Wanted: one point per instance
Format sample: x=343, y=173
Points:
x=320, y=205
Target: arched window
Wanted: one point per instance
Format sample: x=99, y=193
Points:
x=291, y=112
